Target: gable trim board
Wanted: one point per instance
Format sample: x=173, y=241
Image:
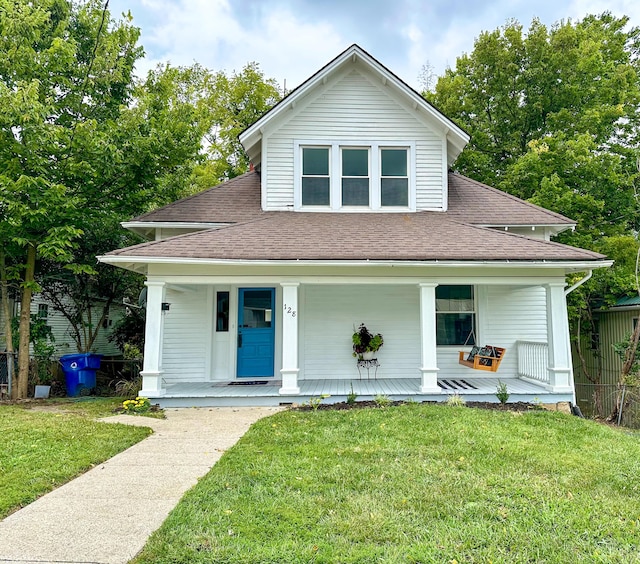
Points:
x=457, y=138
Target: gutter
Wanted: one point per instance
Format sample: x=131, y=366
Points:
x=579, y=283
x=575, y=266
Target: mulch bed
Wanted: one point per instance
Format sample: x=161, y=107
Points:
x=514, y=406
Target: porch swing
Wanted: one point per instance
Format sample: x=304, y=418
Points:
x=481, y=358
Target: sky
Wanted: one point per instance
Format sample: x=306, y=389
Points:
x=292, y=39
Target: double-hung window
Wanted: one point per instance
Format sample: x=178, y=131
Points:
x=394, y=177
x=342, y=176
x=315, y=176
x=355, y=176
x=455, y=315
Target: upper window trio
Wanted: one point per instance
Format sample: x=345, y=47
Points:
x=338, y=176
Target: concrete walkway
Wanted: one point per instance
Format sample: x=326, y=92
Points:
x=106, y=515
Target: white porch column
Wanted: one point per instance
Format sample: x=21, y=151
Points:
x=153, y=334
x=290, y=368
x=560, y=368
x=429, y=358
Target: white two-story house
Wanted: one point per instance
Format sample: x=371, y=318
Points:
x=351, y=215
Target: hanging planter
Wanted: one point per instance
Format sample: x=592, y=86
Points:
x=365, y=343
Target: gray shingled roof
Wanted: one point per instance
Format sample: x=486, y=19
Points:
x=233, y=201
x=423, y=236
x=418, y=236
x=473, y=202
x=238, y=200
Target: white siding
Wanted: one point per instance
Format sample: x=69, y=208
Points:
x=506, y=314
x=187, y=335
x=330, y=314
x=62, y=329
x=359, y=108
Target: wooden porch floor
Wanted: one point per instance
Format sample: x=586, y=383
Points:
x=186, y=394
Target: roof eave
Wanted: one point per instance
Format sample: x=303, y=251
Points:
x=568, y=265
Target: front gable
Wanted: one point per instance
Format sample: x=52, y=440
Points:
x=355, y=107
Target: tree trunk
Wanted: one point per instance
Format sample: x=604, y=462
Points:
x=8, y=333
x=25, y=324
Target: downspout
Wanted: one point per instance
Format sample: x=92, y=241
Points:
x=576, y=409
x=578, y=283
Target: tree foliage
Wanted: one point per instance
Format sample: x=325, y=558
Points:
x=553, y=117
x=235, y=101
x=84, y=145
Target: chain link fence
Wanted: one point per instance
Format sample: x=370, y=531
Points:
x=5, y=376
x=621, y=404
x=111, y=378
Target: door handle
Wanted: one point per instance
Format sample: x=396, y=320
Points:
x=239, y=340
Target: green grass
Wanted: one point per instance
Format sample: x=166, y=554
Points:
x=46, y=444
x=415, y=483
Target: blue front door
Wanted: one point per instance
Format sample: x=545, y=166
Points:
x=256, y=332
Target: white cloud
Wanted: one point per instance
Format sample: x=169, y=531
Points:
x=208, y=31
x=291, y=39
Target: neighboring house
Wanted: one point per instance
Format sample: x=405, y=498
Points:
x=352, y=216
x=612, y=325
x=61, y=329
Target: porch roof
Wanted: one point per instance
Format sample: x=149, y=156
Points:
x=421, y=236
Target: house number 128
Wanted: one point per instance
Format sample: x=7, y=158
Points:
x=289, y=311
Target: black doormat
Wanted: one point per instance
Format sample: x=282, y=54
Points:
x=249, y=383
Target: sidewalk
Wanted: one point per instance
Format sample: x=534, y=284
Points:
x=106, y=515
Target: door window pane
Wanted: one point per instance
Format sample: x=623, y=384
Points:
x=257, y=311
x=222, y=311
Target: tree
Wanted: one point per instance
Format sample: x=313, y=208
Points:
x=553, y=118
x=82, y=144
x=236, y=102
x=574, y=79
x=63, y=72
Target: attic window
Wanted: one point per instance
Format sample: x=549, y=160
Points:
x=356, y=176
x=394, y=178
x=315, y=176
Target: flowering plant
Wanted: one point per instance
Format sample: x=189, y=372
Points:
x=138, y=405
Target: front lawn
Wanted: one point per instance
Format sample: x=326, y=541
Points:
x=415, y=483
x=47, y=443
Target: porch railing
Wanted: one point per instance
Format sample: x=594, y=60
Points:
x=533, y=360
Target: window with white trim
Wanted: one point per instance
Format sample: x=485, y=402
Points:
x=315, y=176
x=394, y=177
x=362, y=176
x=455, y=315
x=355, y=176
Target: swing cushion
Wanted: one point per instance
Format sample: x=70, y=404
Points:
x=474, y=351
x=490, y=352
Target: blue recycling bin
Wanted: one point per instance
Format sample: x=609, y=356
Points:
x=80, y=371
